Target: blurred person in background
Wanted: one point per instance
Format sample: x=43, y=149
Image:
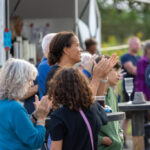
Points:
x=43, y=67
x=141, y=86
x=16, y=25
x=129, y=64
x=91, y=46
x=86, y=64
x=140, y=82
x=17, y=129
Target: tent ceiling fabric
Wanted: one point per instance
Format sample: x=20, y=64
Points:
x=43, y=8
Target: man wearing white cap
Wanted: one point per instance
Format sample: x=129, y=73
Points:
x=43, y=67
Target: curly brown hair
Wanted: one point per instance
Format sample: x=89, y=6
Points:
x=58, y=43
x=70, y=88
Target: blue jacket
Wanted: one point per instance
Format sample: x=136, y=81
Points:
x=43, y=70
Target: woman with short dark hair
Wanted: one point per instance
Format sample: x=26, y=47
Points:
x=71, y=93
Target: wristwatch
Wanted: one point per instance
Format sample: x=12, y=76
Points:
x=104, y=81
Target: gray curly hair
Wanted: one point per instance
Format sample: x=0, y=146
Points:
x=15, y=78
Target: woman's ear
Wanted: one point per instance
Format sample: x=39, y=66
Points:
x=66, y=51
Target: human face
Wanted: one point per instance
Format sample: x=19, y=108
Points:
x=113, y=77
x=134, y=45
x=93, y=49
x=74, y=52
x=18, y=27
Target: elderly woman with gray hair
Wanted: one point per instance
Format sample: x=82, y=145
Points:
x=17, y=129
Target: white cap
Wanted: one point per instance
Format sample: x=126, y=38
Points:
x=46, y=41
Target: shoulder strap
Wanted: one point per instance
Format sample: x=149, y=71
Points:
x=88, y=126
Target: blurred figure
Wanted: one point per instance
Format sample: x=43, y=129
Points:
x=140, y=82
x=91, y=46
x=141, y=86
x=16, y=26
x=17, y=130
x=43, y=67
x=129, y=63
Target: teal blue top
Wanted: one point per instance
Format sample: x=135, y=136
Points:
x=17, y=132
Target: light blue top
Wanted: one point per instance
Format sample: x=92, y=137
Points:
x=17, y=132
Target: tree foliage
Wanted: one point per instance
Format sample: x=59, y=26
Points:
x=124, y=18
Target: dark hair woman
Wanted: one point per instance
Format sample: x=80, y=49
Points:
x=65, y=51
x=70, y=90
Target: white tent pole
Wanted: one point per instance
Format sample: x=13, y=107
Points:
x=76, y=16
x=2, y=26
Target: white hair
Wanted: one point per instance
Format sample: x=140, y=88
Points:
x=46, y=42
x=85, y=56
x=15, y=78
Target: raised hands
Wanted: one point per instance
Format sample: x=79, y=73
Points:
x=42, y=107
x=102, y=69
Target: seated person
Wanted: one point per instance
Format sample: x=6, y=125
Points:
x=111, y=135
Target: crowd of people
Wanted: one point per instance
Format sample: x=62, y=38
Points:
x=64, y=115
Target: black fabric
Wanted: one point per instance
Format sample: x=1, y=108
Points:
x=50, y=75
x=28, y=103
x=70, y=127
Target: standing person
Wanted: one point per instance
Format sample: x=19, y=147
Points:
x=70, y=89
x=17, y=130
x=141, y=85
x=129, y=62
x=91, y=46
x=16, y=28
x=65, y=51
x=43, y=67
x=140, y=82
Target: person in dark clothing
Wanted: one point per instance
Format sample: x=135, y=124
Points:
x=129, y=62
x=70, y=89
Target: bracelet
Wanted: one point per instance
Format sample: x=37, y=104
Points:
x=34, y=118
x=104, y=81
x=40, y=121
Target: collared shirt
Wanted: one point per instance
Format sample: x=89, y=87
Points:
x=140, y=83
x=43, y=70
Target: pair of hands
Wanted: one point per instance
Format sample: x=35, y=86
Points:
x=42, y=107
x=104, y=66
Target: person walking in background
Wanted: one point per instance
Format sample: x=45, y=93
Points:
x=43, y=67
x=17, y=130
x=129, y=64
x=91, y=46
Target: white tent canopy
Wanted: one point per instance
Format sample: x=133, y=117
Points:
x=62, y=15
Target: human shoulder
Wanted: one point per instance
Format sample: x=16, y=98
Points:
x=124, y=58
x=43, y=64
